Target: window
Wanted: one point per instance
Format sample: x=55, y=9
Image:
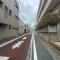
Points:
x=16, y=5
x=9, y=26
x=10, y=12
x=5, y=12
x=1, y=3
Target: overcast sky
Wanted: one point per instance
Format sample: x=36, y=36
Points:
x=28, y=10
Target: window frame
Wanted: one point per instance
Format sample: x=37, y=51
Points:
x=10, y=13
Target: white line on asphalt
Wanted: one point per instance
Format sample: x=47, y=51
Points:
x=12, y=40
x=29, y=55
x=17, y=45
x=31, y=50
x=4, y=58
x=24, y=38
x=34, y=46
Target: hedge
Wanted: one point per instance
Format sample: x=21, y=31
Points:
x=48, y=19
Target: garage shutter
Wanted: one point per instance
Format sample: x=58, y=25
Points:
x=14, y=32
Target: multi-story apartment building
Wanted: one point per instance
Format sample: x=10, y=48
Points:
x=27, y=28
x=9, y=18
x=46, y=6
x=23, y=28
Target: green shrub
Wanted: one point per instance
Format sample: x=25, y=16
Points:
x=48, y=19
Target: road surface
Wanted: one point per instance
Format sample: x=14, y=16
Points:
x=16, y=50
x=42, y=53
x=26, y=47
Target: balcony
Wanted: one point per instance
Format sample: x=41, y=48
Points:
x=41, y=8
x=52, y=5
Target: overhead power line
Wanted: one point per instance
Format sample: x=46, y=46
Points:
x=22, y=15
x=21, y=10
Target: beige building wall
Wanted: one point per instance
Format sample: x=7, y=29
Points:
x=57, y=9
x=10, y=20
x=5, y=32
x=21, y=27
x=10, y=4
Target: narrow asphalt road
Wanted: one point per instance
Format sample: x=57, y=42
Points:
x=25, y=48
x=16, y=50
x=42, y=53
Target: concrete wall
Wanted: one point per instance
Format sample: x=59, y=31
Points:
x=44, y=29
x=44, y=36
x=5, y=31
x=52, y=28
x=57, y=9
x=21, y=27
x=49, y=36
x=49, y=33
x=48, y=29
x=11, y=5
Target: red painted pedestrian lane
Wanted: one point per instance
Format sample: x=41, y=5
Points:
x=19, y=53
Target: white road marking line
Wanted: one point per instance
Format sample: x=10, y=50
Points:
x=31, y=51
x=4, y=58
x=29, y=55
x=17, y=45
x=12, y=40
x=35, y=52
x=24, y=38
